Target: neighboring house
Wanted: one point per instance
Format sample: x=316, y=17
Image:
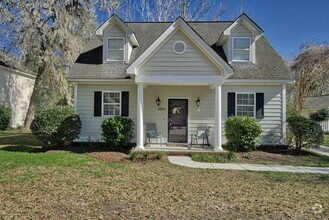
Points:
x=315, y=103
x=229, y=66
x=16, y=87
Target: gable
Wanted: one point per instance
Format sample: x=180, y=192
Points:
x=242, y=31
x=115, y=31
x=166, y=62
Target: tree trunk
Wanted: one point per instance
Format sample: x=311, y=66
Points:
x=35, y=94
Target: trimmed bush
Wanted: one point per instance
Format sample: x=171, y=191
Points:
x=118, y=131
x=307, y=133
x=5, y=117
x=320, y=115
x=56, y=126
x=242, y=133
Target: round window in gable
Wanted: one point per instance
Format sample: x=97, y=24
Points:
x=179, y=47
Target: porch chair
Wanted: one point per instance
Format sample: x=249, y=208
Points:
x=151, y=132
x=201, y=133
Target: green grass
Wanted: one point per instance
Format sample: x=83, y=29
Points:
x=64, y=185
x=326, y=140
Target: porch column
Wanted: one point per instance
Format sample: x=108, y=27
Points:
x=140, y=115
x=218, y=118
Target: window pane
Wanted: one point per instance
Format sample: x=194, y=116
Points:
x=114, y=43
x=115, y=54
x=241, y=55
x=114, y=109
x=241, y=43
x=106, y=110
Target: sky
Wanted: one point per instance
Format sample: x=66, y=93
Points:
x=287, y=23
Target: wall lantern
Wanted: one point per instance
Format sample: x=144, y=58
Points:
x=158, y=101
x=197, y=102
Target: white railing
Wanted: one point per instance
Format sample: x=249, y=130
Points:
x=325, y=125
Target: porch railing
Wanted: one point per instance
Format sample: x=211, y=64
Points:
x=325, y=126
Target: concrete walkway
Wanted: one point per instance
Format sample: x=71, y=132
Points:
x=320, y=151
x=11, y=135
x=188, y=162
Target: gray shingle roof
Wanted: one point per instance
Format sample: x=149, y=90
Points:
x=89, y=64
x=317, y=102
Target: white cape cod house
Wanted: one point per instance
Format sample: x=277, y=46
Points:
x=180, y=75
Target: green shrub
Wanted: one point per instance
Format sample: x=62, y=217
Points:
x=158, y=155
x=229, y=156
x=242, y=133
x=307, y=133
x=118, y=131
x=320, y=115
x=56, y=126
x=5, y=117
x=133, y=155
x=145, y=155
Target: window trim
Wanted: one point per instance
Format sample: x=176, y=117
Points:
x=236, y=102
x=173, y=47
x=233, y=38
x=120, y=92
x=107, y=48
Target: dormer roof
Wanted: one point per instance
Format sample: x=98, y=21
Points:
x=245, y=20
x=114, y=19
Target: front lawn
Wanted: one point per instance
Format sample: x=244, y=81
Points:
x=326, y=140
x=64, y=185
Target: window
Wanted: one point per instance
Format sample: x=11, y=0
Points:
x=111, y=103
x=179, y=47
x=245, y=104
x=241, y=48
x=115, y=49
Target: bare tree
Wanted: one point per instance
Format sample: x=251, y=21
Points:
x=311, y=69
x=168, y=10
x=47, y=34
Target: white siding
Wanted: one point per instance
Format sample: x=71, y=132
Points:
x=91, y=126
x=271, y=123
x=166, y=62
x=15, y=92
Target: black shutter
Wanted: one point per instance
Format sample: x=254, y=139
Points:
x=98, y=104
x=230, y=104
x=259, y=105
x=125, y=104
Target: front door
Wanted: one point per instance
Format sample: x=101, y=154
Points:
x=177, y=120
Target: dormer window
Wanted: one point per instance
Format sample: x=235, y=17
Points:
x=115, y=48
x=241, y=49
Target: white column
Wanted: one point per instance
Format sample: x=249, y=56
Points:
x=218, y=118
x=284, y=113
x=140, y=115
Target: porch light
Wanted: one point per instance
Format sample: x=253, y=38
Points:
x=158, y=101
x=197, y=102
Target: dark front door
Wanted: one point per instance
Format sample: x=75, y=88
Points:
x=177, y=120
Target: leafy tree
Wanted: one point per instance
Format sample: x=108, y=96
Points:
x=46, y=35
x=311, y=69
x=307, y=133
x=320, y=115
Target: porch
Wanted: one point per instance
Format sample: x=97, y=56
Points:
x=177, y=112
